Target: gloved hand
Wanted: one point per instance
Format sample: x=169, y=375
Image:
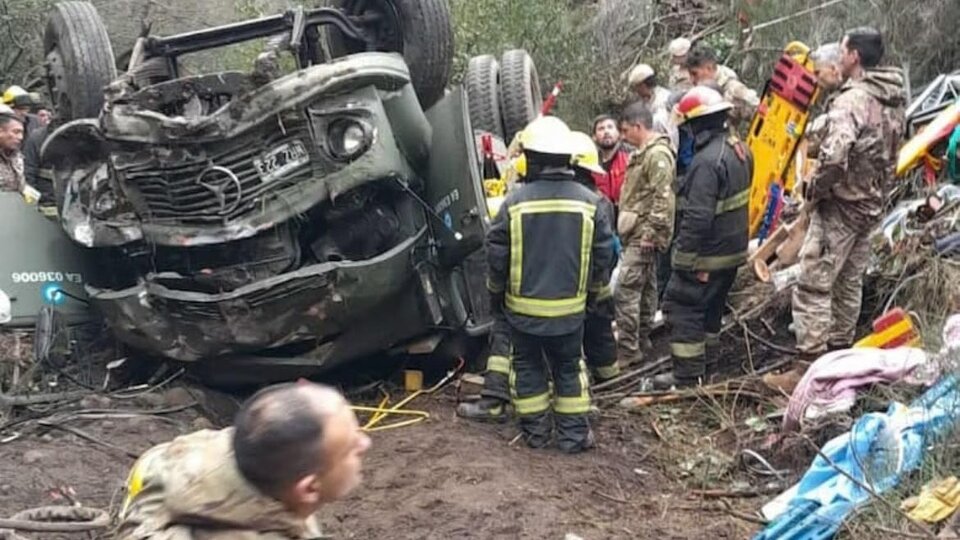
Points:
x=617, y=246
x=936, y=502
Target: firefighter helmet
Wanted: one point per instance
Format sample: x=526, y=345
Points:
x=546, y=135
x=585, y=154
x=12, y=93
x=700, y=101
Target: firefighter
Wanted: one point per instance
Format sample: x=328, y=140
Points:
x=549, y=253
x=599, y=344
x=598, y=340
x=711, y=240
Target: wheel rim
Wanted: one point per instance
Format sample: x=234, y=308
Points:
x=381, y=19
x=55, y=77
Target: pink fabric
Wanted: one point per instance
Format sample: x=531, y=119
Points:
x=832, y=381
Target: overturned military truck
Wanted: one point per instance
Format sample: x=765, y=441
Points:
x=324, y=205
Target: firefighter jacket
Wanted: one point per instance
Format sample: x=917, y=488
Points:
x=647, y=202
x=712, y=226
x=548, y=249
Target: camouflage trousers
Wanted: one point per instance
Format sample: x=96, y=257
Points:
x=826, y=301
x=636, y=303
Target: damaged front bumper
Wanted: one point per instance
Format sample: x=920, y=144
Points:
x=272, y=153
x=314, y=305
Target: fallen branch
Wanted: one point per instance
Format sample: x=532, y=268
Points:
x=37, y=399
x=644, y=370
x=725, y=506
x=86, y=436
x=64, y=519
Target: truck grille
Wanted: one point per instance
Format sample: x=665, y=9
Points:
x=210, y=183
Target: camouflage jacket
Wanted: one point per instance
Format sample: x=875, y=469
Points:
x=11, y=172
x=679, y=79
x=859, y=148
x=647, y=200
x=191, y=489
x=745, y=101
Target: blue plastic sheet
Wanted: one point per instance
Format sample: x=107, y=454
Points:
x=877, y=451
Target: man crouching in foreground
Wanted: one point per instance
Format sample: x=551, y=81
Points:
x=293, y=448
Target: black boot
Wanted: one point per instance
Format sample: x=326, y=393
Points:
x=668, y=381
x=486, y=409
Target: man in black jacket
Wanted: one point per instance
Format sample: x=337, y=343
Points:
x=711, y=240
x=548, y=250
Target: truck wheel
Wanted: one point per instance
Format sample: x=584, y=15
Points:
x=483, y=100
x=80, y=60
x=420, y=30
x=520, y=97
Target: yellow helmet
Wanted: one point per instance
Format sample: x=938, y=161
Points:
x=585, y=155
x=12, y=93
x=546, y=135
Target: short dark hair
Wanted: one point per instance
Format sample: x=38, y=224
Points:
x=278, y=438
x=7, y=118
x=637, y=113
x=700, y=56
x=868, y=42
x=601, y=118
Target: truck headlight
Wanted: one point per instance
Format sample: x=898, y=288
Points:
x=348, y=138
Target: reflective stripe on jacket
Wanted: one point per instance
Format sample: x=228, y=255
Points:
x=712, y=228
x=548, y=248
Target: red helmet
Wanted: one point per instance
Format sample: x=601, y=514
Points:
x=700, y=101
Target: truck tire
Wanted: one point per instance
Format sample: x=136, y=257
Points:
x=80, y=61
x=482, y=82
x=420, y=30
x=520, y=97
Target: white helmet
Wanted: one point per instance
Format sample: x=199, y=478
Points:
x=679, y=47
x=546, y=135
x=639, y=74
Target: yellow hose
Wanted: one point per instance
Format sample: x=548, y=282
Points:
x=380, y=412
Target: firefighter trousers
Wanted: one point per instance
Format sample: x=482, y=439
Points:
x=496, y=377
x=693, y=311
x=535, y=358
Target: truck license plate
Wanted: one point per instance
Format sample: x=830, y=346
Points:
x=282, y=160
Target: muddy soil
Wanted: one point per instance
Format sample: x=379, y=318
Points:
x=443, y=478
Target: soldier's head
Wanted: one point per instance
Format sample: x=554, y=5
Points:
x=701, y=63
x=642, y=80
x=861, y=48
x=636, y=124
x=678, y=50
x=299, y=444
x=826, y=65
x=11, y=130
x=605, y=132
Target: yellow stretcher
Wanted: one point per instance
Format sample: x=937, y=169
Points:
x=776, y=131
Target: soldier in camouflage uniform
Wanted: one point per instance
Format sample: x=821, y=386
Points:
x=294, y=448
x=702, y=65
x=679, y=76
x=645, y=226
x=11, y=162
x=847, y=191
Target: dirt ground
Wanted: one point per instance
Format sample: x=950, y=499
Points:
x=442, y=478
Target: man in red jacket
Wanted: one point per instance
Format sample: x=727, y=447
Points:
x=614, y=157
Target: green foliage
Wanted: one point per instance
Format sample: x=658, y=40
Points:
x=21, y=33
x=555, y=33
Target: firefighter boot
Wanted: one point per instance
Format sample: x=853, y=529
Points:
x=486, y=409
x=669, y=381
